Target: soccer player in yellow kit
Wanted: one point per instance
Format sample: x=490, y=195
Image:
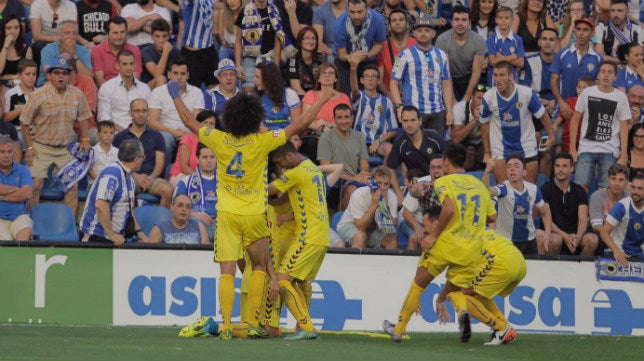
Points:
x=242, y=158
x=306, y=188
x=456, y=243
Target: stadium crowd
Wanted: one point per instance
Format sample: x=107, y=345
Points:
x=546, y=96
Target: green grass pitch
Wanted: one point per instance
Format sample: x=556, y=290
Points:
x=89, y=343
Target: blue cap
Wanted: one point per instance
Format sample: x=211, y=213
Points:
x=59, y=62
x=226, y=64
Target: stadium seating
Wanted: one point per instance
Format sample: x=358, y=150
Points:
x=49, y=191
x=54, y=222
x=148, y=216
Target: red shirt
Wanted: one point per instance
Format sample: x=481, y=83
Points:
x=104, y=60
x=384, y=59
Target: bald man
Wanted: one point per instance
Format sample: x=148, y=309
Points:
x=636, y=102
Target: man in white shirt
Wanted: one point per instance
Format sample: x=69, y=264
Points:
x=139, y=17
x=116, y=94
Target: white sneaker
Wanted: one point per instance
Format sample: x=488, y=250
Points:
x=389, y=329
x=500, y=338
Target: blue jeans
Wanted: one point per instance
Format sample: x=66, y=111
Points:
x=586, y=164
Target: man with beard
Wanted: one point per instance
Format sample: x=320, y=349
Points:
x=324, y=17
x=604, y=199
x=104, y=54
x=181, y=228
x=93, y=16
x=616, y=31
x=636, y=102
x=139, y=17
x=398, y=41
x=359, y=31
x=387, y=7
x=466, y=53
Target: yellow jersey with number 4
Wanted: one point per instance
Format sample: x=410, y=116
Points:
x=306, y=188
x=241, y=168
x=460, y=242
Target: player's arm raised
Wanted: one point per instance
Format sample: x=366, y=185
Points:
x=300, y=123
x=185, y=114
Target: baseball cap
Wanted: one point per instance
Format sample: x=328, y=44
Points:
x=424, y=21
x=586, y=21
x=226, y=64
x=59, y=62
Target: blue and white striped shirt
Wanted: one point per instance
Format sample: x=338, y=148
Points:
x=516, y=210
x=374, y=116
x=215, y=101
x=197, y=17
x=421, y=74
x=116, y=187
x=496, y=43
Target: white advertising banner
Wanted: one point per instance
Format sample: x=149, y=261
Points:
x=356, y=292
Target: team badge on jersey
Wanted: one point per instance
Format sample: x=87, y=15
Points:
x=512, y=50
x=284, y=178
x=207, y=132
x=637, y=226
x=519, y=105
x=276, y=133
x=591, y=67
x=381, y=109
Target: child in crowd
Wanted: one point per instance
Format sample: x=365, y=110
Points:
x=504, y=44
x=583, y=83
x=16, y=97
x=104, y=152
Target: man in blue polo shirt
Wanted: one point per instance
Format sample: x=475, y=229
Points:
x=15, y=189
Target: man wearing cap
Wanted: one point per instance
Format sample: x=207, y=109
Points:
x=616, y=31
x=573, y=62
x=116, y=94
x=227, y=74
x=47, y=124
x=432, y=92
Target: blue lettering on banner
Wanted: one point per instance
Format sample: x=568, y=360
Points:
x=620, y=315
x=334, y=308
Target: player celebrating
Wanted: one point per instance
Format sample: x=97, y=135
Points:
x=456, y=242
x=242, y=157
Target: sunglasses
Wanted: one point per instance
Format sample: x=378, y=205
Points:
x=482, y=87
x=54, y=24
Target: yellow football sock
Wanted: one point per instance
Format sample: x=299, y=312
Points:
x=240, y=330
x=296, y=305
x=490, y=305
x=458, y=300
x=256, y=293
x=226, y=298
x=243, y=306
x=409, y=307
x=481, y=313
x=307, y=292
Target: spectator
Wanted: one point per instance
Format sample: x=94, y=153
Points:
x=576, y=11
x=158, y=57
x=197, y=43
x=465, y=128
x=625, y=218
x=216, y=98
x=93, y=17
x=303, y=67
x=375, y=115
x=67, y=43
x=398, y=41
x=139, y=17
x=226, y=28
x=483, y=14
x=636, y=102
x=14, y=8
x=299, y=14
x=181, y=228
x=415, y=148
x=517, y=200
x=104, y=54
x=116, y=94
x=342, y=144
x=359, y=30
x=201, y=187
x=583, y=83
x=260, y=35
x=636, y=150
x=619, y=30
x=466, y=53
x=604, y=199
x=604, y=114
x=45, y=18
x=88, y=88
x=370, y=219
x=14, y=49
x=507, y=128
x=571, y=63
x=105, y=154
x=327, y=79
x=386, y=8
x=16, y=97
x=8, y=130
x=421, y=75
x=163, y=114
x=568, y=204
x=324, y=18
x=630, y=54
x=187, y=155
x=504, y=45
x=111, y=200
x=15, y=190
x=148, y=177
x=281, y=104
x=529, y=22
x=47, y=127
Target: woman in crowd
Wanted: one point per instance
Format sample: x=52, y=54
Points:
x=482, y=15
x=281, y=104
x=529, y=22
x=632, y=54
x=327, y=78
x=13, y=50
x=186, y=161
x=636, y=150
x=576, y=11
x=226, y=27
x=303, y=66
